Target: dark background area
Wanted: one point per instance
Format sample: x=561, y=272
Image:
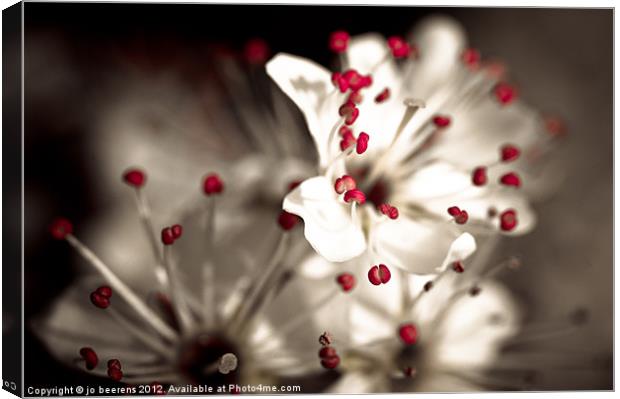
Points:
x=561, y=58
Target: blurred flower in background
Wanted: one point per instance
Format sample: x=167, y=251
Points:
x=412, y=138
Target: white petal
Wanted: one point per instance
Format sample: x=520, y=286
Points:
x=467, y=337
x=329, y=226
x=308, y=85
x=441, y=41
x=416, y=246
x=461, y=249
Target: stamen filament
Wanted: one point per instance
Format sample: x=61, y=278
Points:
x=139, y=334
x=123, y=290
x=178, y=303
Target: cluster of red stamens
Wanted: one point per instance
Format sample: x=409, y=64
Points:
x=379, y=274
x=508, y=153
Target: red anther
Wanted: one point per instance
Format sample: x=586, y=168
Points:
x=471, y=58
x=325, y=339
x=177, y=231
x=458, y=267
x=344, y=183
x=338, y=41
x=508, y=220
x=256, y=51
x=555, y=126
x=383, y=96
x=293, y=185
x=327, y=351
x=355, y=195
x=354, y=79
x=347, y=140
x=115, y=374
x=462, y=217
x=100, y=301
x=479, y=176
x=505, y=93
x=352, y=117
x=341, y=83
x=362, y=143
x=399, y=47
x=509, y=153
x=454, y=210
x=167, y=236
x=356, y=97
x=90, y=357
x=378, y=275
x=60, y=228
x=346, y=108
x=408, y=334
x=345, y=130
x=212, y=184
x=410, y=371
x=114, y=363
x=346, y=281
x=134, y=177
x=510, y=179
x=287, y=220
x=441, y=121
x=330, y=362
x=428, y=286
x=389, y=211
x=104, y=291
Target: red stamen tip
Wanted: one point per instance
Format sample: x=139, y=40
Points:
x=408, y=334
x=441, y=121
x=256, y=51
x=505, y=93
x=287, y=220
x=101, y=297
x=479, y=176
x=378, y=275
x=346, y=281
x=356, y=97
x=212, y=184
x=327, y=351
x=352, y=117
x=511, y=179
x=344, y=131
x=60, y=228
x=325, y=339
x=454, y=210
x=134, y=177
x=458, y=267
x=339, y=41
x=177, y=231
x=90, y=357
x=362, y=143
x=167, y=236
x=389, y=211
x=355, y=195
x=340, y=82
x=471, y=58
x=383, y=96
x=344, y=183
x=509, y=153
x=508, y=220
x=398, y=46
x=330, y=362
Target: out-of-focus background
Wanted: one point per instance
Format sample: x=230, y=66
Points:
x=88, y=62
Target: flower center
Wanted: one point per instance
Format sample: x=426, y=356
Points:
x=209, y=359
x=378, y=193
